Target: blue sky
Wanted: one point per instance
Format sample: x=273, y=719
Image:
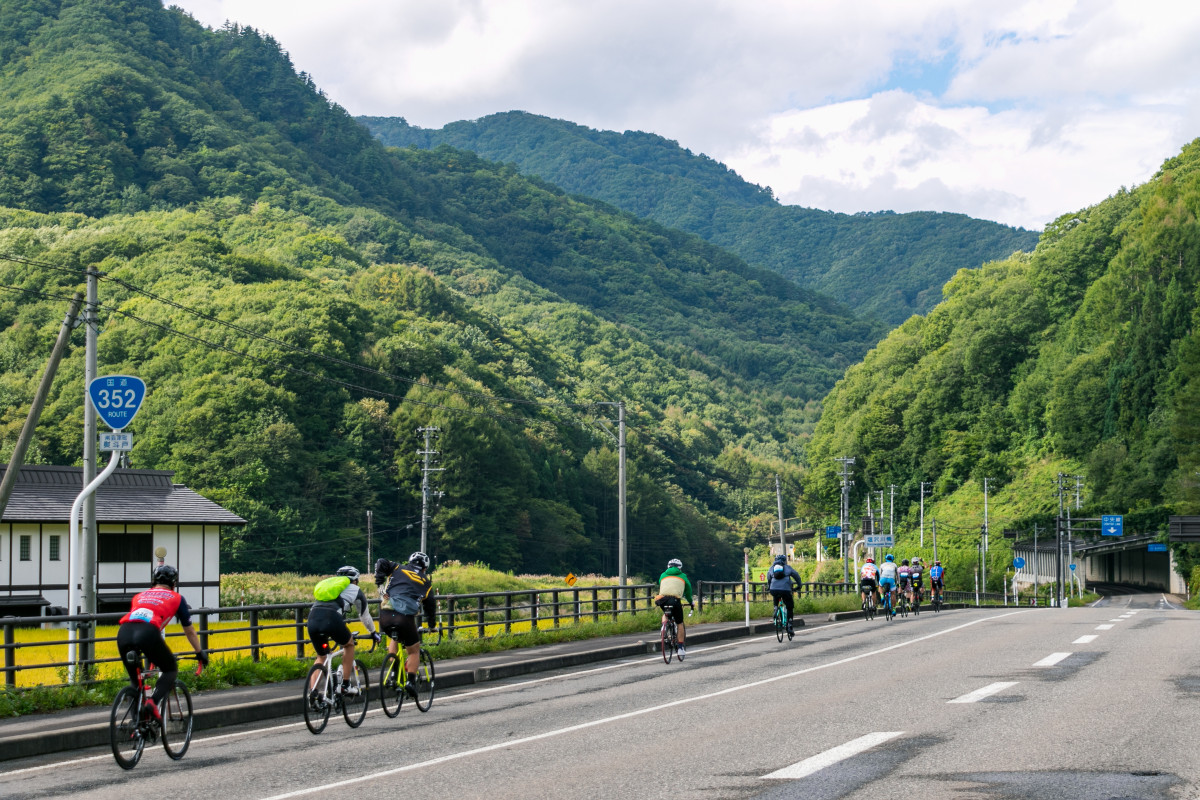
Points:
x=1012, y=110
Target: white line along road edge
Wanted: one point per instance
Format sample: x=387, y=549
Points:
x=808, y=766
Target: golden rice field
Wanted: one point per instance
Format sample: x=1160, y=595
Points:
x=41, y=646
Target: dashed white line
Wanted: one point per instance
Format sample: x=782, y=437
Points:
x=802, y=769
x=1105, y=627
x=1052, y=659
x=986, y=691
x=1091, y=637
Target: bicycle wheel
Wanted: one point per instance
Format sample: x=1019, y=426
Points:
x=391, y=688
x=425, y=684
x=665, y=638
x=779, y=623
x=316, y=709
x=354, y=706
x=177, y=721
x=123, y=732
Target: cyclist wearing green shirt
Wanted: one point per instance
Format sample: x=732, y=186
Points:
x=673, y=588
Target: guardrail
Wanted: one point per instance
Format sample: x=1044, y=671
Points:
x=475, y=615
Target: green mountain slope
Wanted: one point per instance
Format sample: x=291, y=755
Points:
x=1082, y=357
x=372, y=293
x=885, y=265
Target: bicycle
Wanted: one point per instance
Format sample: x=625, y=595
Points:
x=669, y=636
x=781, y=621
x=889, y=610
x=393, y=680
x=322, y=695
x=868, y=605
x=902, y=607
x=131, y=724
x=916, y=608
x=937, y=602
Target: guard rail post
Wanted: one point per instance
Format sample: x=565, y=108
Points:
x=479, y=610
x=700, y=596
x=508, y=607
x=204, y=630
x=554, y=599
x=533, y=612
x=615, y=609
x=451, y=618
x=595, y=605
x=254, y=635
x=10, y=656
x=300, y=637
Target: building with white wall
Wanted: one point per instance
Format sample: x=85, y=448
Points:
x=137, y=511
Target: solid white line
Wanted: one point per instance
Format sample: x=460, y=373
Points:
x=1052, y=659
x=986, y=691
x=1091, y=637
x=1170, y=605
x=802, y=769
x=628, y=715
x=1104, y=627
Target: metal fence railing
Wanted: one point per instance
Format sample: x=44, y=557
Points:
x=280, y=629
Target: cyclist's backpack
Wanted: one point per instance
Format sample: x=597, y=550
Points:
x=778, y=571
x=330, y=588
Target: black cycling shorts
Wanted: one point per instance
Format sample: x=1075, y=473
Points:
x=325, y=624
x=936, y=584
x=401, y=627
x=672, y=604
x=866, y=583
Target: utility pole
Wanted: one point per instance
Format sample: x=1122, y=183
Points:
x=87, y=575
x=1078, y=490
x=847, y=463
x=370, y=563
x=935, y=558
x=779, y=504
x=985, y=534
x=426, y=491
x=892, y=511
x=1058, y=543
x=622, y=534
x=1036, y=562
x=925, y=492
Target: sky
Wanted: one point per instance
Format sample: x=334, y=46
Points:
x=1005, y=110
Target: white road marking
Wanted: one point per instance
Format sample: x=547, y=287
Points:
x=802, y=769
x=1091, y=637
x=1105, y=627
x=628, y=715
x=1169, y=604
x=1052, y=659
x=1117, y=619
x=986, y=691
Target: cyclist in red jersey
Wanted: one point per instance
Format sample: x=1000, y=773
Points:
x=141, y=630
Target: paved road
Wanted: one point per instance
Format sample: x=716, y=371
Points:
x=1047, y=703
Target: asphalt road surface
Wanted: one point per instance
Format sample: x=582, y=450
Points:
x=1100, y=702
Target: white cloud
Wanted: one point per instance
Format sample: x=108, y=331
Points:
x=1047, y=105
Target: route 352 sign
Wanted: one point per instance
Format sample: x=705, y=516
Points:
x=117, y=398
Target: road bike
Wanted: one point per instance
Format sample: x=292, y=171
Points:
x=669, y=635
x=916, y=607
x=868, y=605
x=781, y=621
x=132, y=724
x=393, y=680
x=937, y=602
x=323, y=694
x=889, y=610
x=902, y=603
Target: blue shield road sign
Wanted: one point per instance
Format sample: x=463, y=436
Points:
x=1111, y=524
x=117, y=398
x=1156, y=547
x=832, y=531
x=1072, y=568
x=1018, y=562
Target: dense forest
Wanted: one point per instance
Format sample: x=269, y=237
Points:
x=884, y=265
x=300, y=300
x=1082, y=358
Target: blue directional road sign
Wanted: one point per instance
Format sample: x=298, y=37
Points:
x=1018, y=562
x=1156, y=547
x=1111, y=524
x=832, y=531
x=117, y=398
x=1072, y=568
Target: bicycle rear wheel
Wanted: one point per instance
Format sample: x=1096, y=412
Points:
x=123, y=730
x=354, y=706
x=317, y=708
x=425, y=683
x=668, y=649
x=177, y=721
x=391, y=689
x=780, y=625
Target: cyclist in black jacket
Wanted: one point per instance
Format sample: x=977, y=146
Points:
x=404, y=591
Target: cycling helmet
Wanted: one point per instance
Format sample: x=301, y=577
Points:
x=870, y=559
x=904, y=563
x=419, y=559
x=166, y=575
x=780, y=559
x=676, y=563
x=890, y=557
x=349, y=572
x=937, y=563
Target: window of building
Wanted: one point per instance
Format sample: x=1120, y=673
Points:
x=123, y=547
x=26, y=548
x=54, y=545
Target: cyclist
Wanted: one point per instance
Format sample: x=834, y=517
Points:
x=673, y=588
x=918, y=570
x=904, y=579
x=141, y=630
x=936, y=573
x=404, y=591
x=780, y=585
x=868, y=579
x=887, y=577
x=326, y=621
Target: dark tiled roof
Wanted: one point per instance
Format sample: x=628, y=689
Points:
x=45, y=494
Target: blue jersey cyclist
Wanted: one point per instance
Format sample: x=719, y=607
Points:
x=779, y=583
x=936, y=578
x=887, y=576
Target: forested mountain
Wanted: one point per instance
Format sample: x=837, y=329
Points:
x=886, y=265
x=300, y=300
x=1082, y=357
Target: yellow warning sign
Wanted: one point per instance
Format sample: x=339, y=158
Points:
x=571, y=579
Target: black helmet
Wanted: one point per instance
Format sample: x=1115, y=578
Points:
x=781, y=559
x=904, y=563
x=349, y=572
x=166, y=575
x=419, y=559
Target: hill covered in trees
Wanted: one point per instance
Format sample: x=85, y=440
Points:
x=885, y=265
x=1082, y=357
x=300, y=300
